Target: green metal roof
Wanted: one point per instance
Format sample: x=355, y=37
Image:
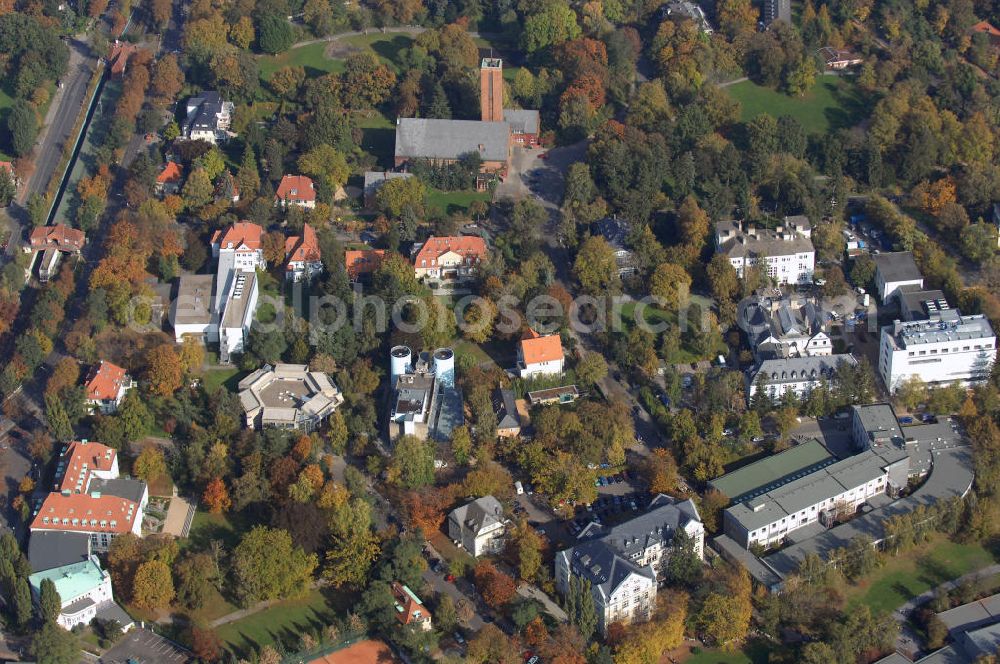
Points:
x=71, y=581
x=773, y=471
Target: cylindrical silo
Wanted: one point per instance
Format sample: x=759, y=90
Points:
x=444, y=366
x=399, y=362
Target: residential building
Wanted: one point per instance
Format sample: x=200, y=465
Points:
x=615, y=231
x=539, y=355
x=874, y=425
x=786, y=328
x=118, y=56
x=647, y=538
x=691, y=11
x=288, y=396
x=478, y=527
x=424, y=402
x=623, y=591
x=89, y=498
x=525, y=126
x=774, y=470
x=296, y=190
x=409, y=609
x=785, y=253
x=451, y=259
x=106, y=385
x=360, y=263
x=796, y=375
x=192, y=314
x=82, y=588
x=838, y=58
x=947, y=348
x=48, y=549
x=505, y=409
x=208, y=118
x=445, y=141
x=243, y=241
x=303, y=256
x=894, y=270
x=59, y=237
x=169, y=179
x=237, y=314
x=824, y=496
x=554, y=395
x=374, y=181
x=777, y=10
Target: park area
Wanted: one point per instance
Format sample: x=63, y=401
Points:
x=833, y=102
x=916, y=571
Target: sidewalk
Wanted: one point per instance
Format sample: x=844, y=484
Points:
x=529, y=591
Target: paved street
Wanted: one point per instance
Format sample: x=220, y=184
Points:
x=440, y=585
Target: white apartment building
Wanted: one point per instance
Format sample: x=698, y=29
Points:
x=798, y=375
x=944, y=349
x=821, y=496
x=786, y=252
x=478, y=527
x=83, y=588
x=623, y=591
x=786, y=328
x=637, y=551
x=540, y=355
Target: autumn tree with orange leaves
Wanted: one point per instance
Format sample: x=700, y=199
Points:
x=497, y=588
x=216, y=496
x=163, y=370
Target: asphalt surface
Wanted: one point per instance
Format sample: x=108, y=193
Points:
x=144, y=647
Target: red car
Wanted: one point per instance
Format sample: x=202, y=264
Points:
x=450, y=578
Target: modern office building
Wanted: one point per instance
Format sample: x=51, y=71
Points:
x=288, y=396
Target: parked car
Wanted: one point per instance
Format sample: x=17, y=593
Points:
x=459, y=639
x=906, y=420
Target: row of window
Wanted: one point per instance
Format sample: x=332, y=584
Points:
x=946, y=350
x=77, y=522
x=850, y=495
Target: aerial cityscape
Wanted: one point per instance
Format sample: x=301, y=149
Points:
x=500, y=332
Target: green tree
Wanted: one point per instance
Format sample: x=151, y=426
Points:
x=863, y=271
x=54, y=645
x=672, y=284
x=554, y=24
x=198, y=189
x=7, y=187
x=22, y=127
x=412, y=464
x=196, y=574
x=247, y=176
x=57, y=419
x=580, y=606
x=274, y=34
x=400, y=194
x=596, y=268
x=353, y=545
x=682, y=566
x=22, y=602
x=591, y=369
x=445, y=615
x=38, y=208
x=461, y=444
x=267, y=566
x=135, y=418
x=336, y=433
x=49, y=602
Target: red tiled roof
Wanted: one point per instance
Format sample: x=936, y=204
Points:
x=77, y=462
x=362, y=261
x=242, y=233
x=295, y=188
x=410, y=605
x=468, y=246
x=60, y=235
x=104, y=381
x=120, y=52
x=987, y=27
x=7, y=166
x=536, y=348
x=171, y=173
x=303, y=248
x=85, y=507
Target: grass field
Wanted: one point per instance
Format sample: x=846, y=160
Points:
x=313, y=57
x=655, y=317
x=285, y=621
x=450, y=202
x=905, y=576
x=216, y=378
x=378, y=138
x=834, y=102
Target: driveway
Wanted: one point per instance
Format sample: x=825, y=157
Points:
x=144, y=647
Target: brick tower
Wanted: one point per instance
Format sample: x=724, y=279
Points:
x=491, y=89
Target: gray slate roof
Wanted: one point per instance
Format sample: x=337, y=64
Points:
x=798, y=369
x=479, y=514
x=450, y=139
x=521, y=121
x=599, y=563
x=120, y=487
x=505, y=409
x=657, y=524
x=48, y=549
x=758, y=242
x=897, y=266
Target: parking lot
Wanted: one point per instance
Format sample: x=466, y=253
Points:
x=144, y=647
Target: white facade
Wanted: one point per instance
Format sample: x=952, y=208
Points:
x=623, y=592
x=939, y=352
x=478, y=527
x=786, y=253
x=797, y=375
x=83, y=588
x=536, y=369
x=894, y=270
x=238, y=314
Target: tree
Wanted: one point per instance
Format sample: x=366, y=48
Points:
x=196, y=574
x=596, y=268
x=554, y=24
x=163, y=370
x=325, y=163
x=134, y=417
x=725, y=615
x=49, y=602
x=22, y=127
x=8, y=188
x=672, y=284
x=274, y=34
x=659, y=469
x=682, y=566
x=198, y=189
x=863, y=271
x=591, y=369
x=216, y=496
x=497, y=588
x=150, y=464
x=412, y=464
x=400, y=194
x=58, y=420
x=354, y=547
x=445, y=615
x=266, y=566
x=167, y=79
x=580, y=606
x=53, y=645
x=525, y=550
x=21, y=602
x=367, y=81
x=461, y=444
x=153, y=587
x=206, y=645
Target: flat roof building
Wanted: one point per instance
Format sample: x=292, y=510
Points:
x=773, y=471
x=288, y=396
x=894, y=270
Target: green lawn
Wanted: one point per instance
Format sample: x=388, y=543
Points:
x=313, y=57
x=905, y=576
x=216, y=378
x=450, y=202
x=378, y=138
x=655, y=316
x=834, y=102
x=285, y=621
x=205, y=527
